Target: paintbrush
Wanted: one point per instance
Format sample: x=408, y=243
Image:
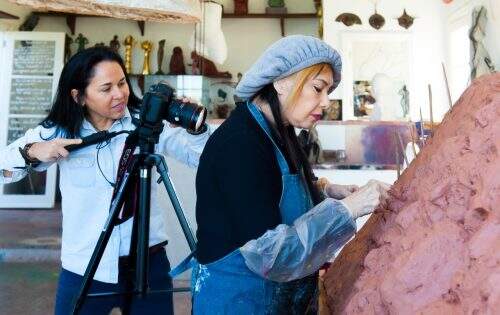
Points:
x=422, y=136
x=447, y=85
x=430, y=109
x=401, y=146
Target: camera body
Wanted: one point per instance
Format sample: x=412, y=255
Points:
x=159, y=104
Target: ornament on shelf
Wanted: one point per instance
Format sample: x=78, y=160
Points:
x=405, y=20
x=276, y=7
x=159, y=56
x=376, y=20
x=203, y=66
x=67, y=47
x=348, y=19
x=114, y=44
x=81, y=41
x=176, y=66
x=147, y=46
x=129, y=43
x=240, y=7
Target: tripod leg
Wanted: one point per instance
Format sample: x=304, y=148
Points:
x=143, y=229
x=161, y=167
x=102, y=242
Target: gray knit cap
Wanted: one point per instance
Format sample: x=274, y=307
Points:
x=285, y=57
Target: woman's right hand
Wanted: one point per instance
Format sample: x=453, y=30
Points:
x=367, y=198
x=50, y=151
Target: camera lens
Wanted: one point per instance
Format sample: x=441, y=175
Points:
x=187, y=115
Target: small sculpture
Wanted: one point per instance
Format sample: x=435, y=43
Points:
x=240, y=7
x=376, y=20
x=159, y=56
x=147, y=46
x=405, y=20
x=67, y=47
x=101, y=44
x=81, y=41
x=177, y=62
x=203, y=66
x=114, y=44
x=348, y=19
x=129, y=43
x=276, y=7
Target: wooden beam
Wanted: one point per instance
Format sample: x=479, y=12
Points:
x=8, y=16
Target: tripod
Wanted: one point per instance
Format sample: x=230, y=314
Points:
x=139, y=166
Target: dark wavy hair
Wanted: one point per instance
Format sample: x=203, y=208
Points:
x=293, y=150
x=66, y=114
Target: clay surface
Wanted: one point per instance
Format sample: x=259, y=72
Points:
x=436, y=248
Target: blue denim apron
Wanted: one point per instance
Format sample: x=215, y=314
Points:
x=227, y=286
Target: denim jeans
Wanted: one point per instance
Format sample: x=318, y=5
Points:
x=154, y=303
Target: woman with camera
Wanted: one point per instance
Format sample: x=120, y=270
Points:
x=265, y=226
x=93, y=95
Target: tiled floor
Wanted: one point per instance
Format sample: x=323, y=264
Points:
x=27, y=278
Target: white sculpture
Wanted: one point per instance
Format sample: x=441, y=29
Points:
x=387, y=99
x=207, y=39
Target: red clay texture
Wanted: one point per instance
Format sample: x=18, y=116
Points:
x=435, y=249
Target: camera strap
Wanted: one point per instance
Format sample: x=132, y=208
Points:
x=125, y=168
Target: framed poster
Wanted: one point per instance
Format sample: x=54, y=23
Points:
x=30, y=64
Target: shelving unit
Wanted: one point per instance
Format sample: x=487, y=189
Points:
x=281, y=17
x=71, y=18
x=8, y=16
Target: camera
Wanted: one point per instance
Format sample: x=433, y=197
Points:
x=159, y=103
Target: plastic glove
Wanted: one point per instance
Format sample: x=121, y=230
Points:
x=292, y=252
x=367, y=198
x=340, y=191
x=335, y=191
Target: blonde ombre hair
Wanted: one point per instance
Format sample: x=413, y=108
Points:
x=301, y=78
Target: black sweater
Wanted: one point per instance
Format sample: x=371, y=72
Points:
x=238, y=187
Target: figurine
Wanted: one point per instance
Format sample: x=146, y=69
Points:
x=203, y=66
x=147, y=46
x=114, y=44
x=376, y=20
x=81, y=41
x=67, y=47
x=405, y=20
x=177, y=62
x=161, y=48
x=129, y=43
x=240, y=7
x=348, y=19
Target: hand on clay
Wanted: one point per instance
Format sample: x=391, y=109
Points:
x=367, y=198
x=336, y=191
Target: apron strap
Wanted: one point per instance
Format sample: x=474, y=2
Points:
x=263, y=124
x=186, y=264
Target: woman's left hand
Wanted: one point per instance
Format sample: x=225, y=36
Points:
x=340, y=191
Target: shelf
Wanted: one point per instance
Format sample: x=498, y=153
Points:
x=282, y=17
x=71, y=19
x=5, y=15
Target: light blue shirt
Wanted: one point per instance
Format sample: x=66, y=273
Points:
x=86, y=195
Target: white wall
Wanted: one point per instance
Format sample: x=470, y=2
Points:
x=427, y=35
x=246, y=38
